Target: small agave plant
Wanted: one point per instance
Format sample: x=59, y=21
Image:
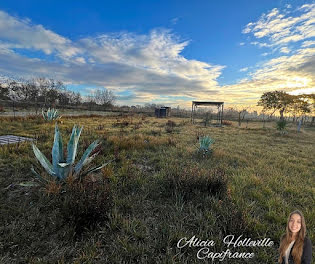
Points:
x=205, y=145
x=62, y=167
x=50, y=114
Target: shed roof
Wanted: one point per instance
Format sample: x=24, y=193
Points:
x=206, y=103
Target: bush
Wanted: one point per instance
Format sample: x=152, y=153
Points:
x=281, y=125
x=169, y=126
x=170, y=123
x=226, y=123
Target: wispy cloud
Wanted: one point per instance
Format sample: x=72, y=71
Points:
x=175, y=20
x=295, y=68
x=20, y=33
x=149, y=65
x=279, y=29
x=285, y=50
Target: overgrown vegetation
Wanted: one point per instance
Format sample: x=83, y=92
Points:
x=155, y=192
x=281, y=125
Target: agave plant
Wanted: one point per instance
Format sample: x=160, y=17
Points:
x=205, y=144
x=61, y=166
x=50, y=114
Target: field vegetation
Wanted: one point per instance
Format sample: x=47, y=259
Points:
x=158, y=189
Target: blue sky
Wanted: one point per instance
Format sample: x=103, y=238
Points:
x=169, y=52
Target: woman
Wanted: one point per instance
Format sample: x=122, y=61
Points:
x=295, y=247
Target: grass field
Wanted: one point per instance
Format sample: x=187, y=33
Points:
x=157, y=190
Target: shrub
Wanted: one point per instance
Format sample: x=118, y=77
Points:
x=226, y=123
x=61, y=167
x=169, y=126
x=281, y=125
x=170, y=123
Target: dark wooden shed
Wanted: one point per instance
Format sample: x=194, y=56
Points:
x=163, y=112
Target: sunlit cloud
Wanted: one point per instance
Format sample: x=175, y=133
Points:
x=285, y=50
x=293, y=72
x=279, y=29
x=150, y=65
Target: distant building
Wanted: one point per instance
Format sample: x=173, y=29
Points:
x=163, y=112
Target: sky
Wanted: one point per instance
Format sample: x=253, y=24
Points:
x=163, y=52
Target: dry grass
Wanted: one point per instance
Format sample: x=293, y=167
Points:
x=160, y=190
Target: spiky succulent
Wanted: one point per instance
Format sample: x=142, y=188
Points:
x=61, y=166
x=50, y=114
x=205, y=144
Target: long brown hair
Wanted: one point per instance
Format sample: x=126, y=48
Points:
x=286, y=239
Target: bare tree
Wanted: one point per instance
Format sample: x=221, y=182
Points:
x=104, y=97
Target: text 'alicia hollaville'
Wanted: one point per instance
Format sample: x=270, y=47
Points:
x=230, y=241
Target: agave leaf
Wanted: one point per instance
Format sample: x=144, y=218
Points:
x=57, y=152
x=63, y=164
x=205, y=143
x=43, y=161
x=64, y=169
x=38, y=175
x=28, y=184
x=73, y=144
x=84, y=160
x=95, y=169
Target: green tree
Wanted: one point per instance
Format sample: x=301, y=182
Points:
x=276, y=100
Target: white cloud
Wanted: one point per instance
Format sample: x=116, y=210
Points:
x=294, y=71
x=285, y=50
x=22, y=34
x=152, y=66
x=149, y=65
x=280, y=29
x=308, y=43
x=80, y=60
x=174, y=21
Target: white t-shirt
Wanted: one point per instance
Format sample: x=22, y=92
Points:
x=287, y=252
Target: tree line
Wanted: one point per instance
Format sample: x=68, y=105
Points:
x=44, y=92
